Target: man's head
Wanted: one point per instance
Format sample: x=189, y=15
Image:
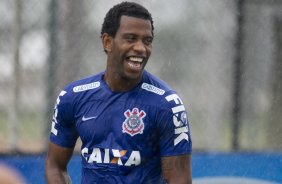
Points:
x=127, y=37
x=131, y=9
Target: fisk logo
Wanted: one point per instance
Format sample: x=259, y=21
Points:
x=179, y=119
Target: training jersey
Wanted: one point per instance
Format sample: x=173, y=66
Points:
x=123, y=134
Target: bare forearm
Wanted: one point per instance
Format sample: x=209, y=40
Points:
x=56, y=176
x=177, y=170
x=179, y=180
x=56, y=164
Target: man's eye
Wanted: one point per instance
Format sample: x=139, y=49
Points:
x=148, y=40
x=130, y=38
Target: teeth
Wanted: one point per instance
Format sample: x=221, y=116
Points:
x=136, y=59
x=134, y=65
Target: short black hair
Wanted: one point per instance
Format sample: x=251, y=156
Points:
x=112, y=18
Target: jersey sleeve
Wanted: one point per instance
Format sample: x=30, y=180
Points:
x=175, y=138
x=63, y=132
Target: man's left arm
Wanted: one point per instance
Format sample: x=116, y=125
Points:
x=177, y=169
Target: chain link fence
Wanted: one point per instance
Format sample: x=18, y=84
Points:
x=46, y=44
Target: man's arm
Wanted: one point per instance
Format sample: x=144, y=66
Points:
x=56, y=164
x=177, y=169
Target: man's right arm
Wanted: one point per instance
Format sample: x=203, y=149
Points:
x=56, y=164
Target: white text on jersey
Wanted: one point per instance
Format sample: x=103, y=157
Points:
x=113, y=156
x=181, y=127
x=152, y=88
x=85, y=87
x=54, y=121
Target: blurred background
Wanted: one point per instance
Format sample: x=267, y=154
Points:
x=224, y=58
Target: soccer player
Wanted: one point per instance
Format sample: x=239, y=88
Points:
x=133, y=126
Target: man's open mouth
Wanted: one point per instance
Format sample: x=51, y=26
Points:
x=134, y=62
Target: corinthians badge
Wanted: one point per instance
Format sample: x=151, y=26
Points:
x=133, y=123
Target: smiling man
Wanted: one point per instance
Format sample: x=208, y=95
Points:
x=133, y=126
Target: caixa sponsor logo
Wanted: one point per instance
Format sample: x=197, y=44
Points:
x=179, y=119
x=111, y=156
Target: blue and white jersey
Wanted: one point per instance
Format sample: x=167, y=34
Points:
x=123, y=134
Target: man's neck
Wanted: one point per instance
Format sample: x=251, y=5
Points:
x=119, y=84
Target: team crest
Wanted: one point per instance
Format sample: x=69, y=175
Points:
x=133, y=123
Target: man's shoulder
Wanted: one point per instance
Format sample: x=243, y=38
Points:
x=156, y=85
x=78, y=88
x=154, y=81
x=84, y=84
x=156, y=90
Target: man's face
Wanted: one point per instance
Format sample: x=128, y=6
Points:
x=131, y=47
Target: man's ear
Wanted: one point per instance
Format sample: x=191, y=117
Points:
x=107, y=41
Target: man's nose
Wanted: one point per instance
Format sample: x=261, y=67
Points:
x=139, y=46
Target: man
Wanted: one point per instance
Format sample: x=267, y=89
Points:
x=133, y=127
